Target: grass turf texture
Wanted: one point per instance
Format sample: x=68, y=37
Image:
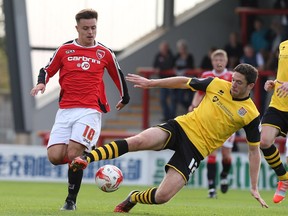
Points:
x=33, y=198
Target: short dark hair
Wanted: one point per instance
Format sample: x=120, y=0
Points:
x=86, y=14
x=250, y=72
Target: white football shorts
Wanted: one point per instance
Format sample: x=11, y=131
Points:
x=82, y=125
x=230, y=141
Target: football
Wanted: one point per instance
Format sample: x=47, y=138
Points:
x=108, y=178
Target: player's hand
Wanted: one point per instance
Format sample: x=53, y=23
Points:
x=120, y=105
x=39, y=87
x=282, y=91
x=257, y=196
x=139, y=81
x=269, y=85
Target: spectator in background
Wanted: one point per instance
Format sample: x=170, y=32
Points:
x=206, y=60
x=164, y=67
x=250, y=56
x=276, y=36
x=282, y=4
x=258, y=38
x=234, y=49
x=183, y=62
x=256, y=59
x=251, y=17
x=272, y=61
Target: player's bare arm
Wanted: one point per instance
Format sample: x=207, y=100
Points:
x=196, y=101
x=171, y=82
x=254, y=165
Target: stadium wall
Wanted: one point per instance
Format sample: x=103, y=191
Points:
x=30, y=163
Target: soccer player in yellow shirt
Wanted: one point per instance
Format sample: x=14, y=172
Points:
x=225, y=108
x=275, y=121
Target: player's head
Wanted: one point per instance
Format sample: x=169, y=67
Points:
x=243, y=80
x=86, y=14
x=219, y=60
x=86, y=27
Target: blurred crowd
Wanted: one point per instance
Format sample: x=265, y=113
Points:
x=261, y=51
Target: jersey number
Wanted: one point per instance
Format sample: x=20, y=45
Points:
x=193, y=165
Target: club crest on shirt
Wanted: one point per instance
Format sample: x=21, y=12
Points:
x=100, y=54
x=215, y=99
x=242, y=111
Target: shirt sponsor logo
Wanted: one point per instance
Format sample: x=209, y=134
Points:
x=85, y=65
x=69, y=51
x=82, y=58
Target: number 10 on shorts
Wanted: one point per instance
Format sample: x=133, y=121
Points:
x=88, y=133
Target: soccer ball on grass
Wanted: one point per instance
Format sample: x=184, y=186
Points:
x=108, y=178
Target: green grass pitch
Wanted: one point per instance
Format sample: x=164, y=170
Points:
x=38, y=198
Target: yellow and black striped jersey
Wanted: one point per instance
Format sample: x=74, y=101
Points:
x=218, y=116
x=282, y=76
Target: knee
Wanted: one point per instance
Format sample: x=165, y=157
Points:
x=136, y=143
x=54, y=160
x=226, y=156
x=265, y=142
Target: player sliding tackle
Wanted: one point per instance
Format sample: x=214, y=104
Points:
x=225, y=109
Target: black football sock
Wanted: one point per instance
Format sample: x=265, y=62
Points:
x=74, y=184
x=144, y=197
x=272, y=156
x=226, y=165
x=211, y=175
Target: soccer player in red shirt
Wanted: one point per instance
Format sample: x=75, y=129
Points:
x=219, y=62
x=81, y=64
